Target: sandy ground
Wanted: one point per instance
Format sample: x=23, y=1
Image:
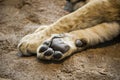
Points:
x=20, y=17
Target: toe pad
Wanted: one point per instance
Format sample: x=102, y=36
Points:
x=57, y=55
x=43, y=48
x=49, y=52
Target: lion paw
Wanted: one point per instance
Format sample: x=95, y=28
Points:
x=58, y=47
x=28, y=44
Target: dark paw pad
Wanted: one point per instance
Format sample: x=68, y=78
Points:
x=80, y=43
x=43, y=48
x=49, y=52
x=54, y=49
x=57, y=55
x=58, y=45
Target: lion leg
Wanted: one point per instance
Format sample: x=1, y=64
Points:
x=60, y=46
x=85, y=17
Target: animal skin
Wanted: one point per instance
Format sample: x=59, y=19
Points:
x=95, y=22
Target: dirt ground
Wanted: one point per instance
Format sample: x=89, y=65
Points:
x=20, y=17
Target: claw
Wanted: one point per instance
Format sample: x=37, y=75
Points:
x=19, y=54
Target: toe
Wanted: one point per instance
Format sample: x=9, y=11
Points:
x=57, y=55
x=66, y=48
x=49, y=52
x=23, y=50
x=22, y=47
x=43, y=48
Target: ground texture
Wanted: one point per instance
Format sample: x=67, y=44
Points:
x=20, y=17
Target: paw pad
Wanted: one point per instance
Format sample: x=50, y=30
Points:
x=43, y=48
x=49, y=52
x=57, y=55
x=80, y=43
x=59, y=45
x=54, y=49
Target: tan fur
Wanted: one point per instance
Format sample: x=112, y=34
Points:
x=97, y=21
